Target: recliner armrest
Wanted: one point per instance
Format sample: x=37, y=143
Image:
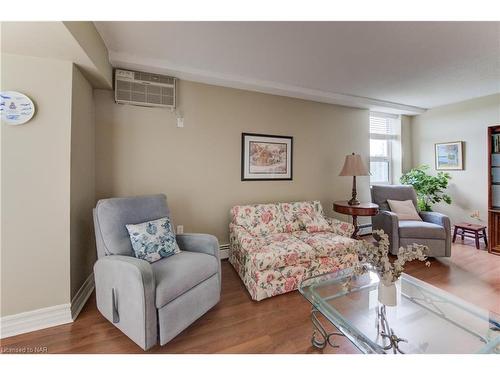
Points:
x=442, y=220
x=199, y=243
x=389, y=222
x=387, y=217
x=436, y=218
x=125, y=293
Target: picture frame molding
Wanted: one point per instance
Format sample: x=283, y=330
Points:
x=461, y=156
x=243, y=135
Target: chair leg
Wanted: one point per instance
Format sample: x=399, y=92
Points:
x=477, y=239
x=455, y=234
x=485, y=238
x=463, y=235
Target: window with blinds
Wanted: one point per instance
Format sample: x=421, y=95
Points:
x=381, y=136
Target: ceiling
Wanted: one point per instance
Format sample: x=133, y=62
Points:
x=399, y=67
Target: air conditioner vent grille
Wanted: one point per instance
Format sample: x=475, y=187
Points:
x=121, y=95
x=156, y=78
x=168, y=91
x=138, y=87
x=137, y=97
x=145, y=89
x=123, y=85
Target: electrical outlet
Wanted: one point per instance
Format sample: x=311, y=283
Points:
x=180, y=229
x=180, y=122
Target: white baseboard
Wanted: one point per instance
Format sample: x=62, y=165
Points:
x=224, y=251
x=13, y=325
x=34, y=320
x=81, y=297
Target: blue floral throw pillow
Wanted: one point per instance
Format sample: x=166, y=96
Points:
x=153, y=240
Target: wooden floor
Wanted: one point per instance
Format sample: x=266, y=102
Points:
x=276, y=325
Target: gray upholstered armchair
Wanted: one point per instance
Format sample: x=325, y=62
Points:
x=434, y=231
x=151, y=302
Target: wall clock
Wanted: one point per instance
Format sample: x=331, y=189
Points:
x=15, y=108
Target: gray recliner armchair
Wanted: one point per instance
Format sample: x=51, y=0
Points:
x=151, y=302
x=434, y=231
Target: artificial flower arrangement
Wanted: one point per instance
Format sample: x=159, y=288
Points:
x=375, y=257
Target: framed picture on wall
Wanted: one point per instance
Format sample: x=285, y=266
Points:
x=266, y=157
x=449, y=156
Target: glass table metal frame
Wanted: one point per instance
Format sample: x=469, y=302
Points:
x=442, y=307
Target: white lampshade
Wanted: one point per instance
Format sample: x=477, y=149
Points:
x=354, y=166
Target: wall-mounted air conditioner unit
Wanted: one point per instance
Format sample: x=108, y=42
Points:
x=144, y=89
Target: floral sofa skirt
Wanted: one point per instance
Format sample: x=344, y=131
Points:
x=273, y=251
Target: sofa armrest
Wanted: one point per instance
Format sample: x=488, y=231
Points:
x=339, y=227
x=125, y=294
x=241, y=240
x=388, y=221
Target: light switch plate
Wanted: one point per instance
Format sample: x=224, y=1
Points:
x=180, y=122
x=180, y=229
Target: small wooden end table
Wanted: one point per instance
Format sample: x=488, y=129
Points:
x=471, y=231
x=362, y=209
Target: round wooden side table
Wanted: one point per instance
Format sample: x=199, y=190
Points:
x=362, y=209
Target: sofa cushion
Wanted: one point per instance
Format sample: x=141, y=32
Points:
x=259, y=219
x=326, y=244
x=314, y=222
x=280, y=250
x=290, y=211
x=177, y=274
x=420, y=229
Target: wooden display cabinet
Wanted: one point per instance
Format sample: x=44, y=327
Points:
x=494, y=189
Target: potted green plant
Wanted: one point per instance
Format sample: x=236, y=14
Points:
x=429, y=189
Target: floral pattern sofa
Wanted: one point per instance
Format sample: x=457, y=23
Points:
x=273, y=247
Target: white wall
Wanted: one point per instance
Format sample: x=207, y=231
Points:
x=406, y=151
x=99, y=71
x=466, y=121
x=36, y=187
x=83, y=252
x=48, y=181
x=48, y=186
x=140, y=151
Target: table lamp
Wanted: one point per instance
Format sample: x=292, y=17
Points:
x=354, y=166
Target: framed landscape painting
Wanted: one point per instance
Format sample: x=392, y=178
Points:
x=266, y=157
x=449, y=156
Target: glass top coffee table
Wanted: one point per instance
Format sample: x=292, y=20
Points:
x=426, y=319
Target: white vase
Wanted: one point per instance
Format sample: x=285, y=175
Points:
x=388, y=294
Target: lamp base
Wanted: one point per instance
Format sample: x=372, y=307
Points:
x=353, y=202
